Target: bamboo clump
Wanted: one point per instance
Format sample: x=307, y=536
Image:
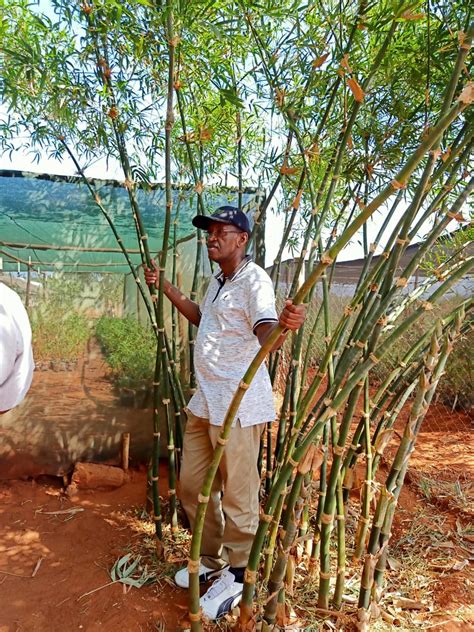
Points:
x=336, y=420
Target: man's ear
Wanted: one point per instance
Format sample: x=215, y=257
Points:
x=243, y=237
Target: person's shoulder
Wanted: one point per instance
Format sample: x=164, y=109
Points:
x=8, y=297
x=257, y=273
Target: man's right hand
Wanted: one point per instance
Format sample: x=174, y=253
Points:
x=152, y=275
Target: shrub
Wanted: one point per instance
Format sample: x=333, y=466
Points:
x=129, y=349
x=58, y=335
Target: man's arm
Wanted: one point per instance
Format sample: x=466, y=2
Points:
x=291, y=318
x=185, y=305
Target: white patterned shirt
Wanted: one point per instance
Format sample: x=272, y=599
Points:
x=226, y=344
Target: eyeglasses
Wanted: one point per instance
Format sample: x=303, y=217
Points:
x=220, y=233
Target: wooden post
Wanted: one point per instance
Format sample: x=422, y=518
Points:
x=28, y=284
x=125, y=450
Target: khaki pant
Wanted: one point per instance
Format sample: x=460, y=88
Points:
x=233, y=509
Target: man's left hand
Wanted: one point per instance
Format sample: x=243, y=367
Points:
x=292, y=316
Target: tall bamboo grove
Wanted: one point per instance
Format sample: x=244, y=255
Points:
x=350, y=116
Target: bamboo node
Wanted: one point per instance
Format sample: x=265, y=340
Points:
x=401, y=282
x=348, y=310
x=327, y=339
x=338, y=450
x=243, y=385
x=374, y=358
x=331, y=412
x=402, y=242
x=194, y=618
x=295, y=363
x=292, y=462
x=250, y=577
x=364, y=520
x=324, y=575
x=354, y=446
x=402, y=364
x=171, y=492
x=266, y=518
x=326, y=518
x=396, y=185
x=156, y=383
x=382, y=321
x=385, y=254
x=166, y=402
x=222, y=441
x=360, y=344
x=157, y=518
x=341, y=570
x=282, y=534
x=203, y=499
x=327, y=401
x=340, y=517
x=156, y=434
x=326, y=259
x=294, y=431
x=372, y=247
x=321, y=374
x=427, y=306
x=457, y=216
x=161, y=330
x=193, y=565
x=170, y=447
x=155, y=478
x=144, y=237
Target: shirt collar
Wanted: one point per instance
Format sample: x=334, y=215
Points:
x=243, y=264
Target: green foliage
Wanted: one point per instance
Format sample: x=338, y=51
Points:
x=129, y=348
x=59, y=335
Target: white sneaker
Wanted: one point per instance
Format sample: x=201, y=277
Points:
x=224, y=594
x=205, y=574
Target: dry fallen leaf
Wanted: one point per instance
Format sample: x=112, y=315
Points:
x=460, y=564
x=409, y=604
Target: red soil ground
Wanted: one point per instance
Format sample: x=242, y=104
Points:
x=49, y=561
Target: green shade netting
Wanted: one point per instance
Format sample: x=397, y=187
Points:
x=37, y=211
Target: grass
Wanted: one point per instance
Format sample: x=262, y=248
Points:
x=457, y=495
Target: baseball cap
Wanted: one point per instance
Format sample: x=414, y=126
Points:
x=224, y=215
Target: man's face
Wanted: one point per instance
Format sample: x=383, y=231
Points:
x=224, y=241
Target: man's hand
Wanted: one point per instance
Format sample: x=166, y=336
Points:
x=152, y=275
x=292, y=316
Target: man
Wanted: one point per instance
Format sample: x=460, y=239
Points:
x=235, y=317
x=16, y=356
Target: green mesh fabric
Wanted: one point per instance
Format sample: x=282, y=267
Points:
x=37, y=211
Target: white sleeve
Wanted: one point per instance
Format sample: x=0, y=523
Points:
x=8, y=347
x=262, y=301
x=16, y=355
